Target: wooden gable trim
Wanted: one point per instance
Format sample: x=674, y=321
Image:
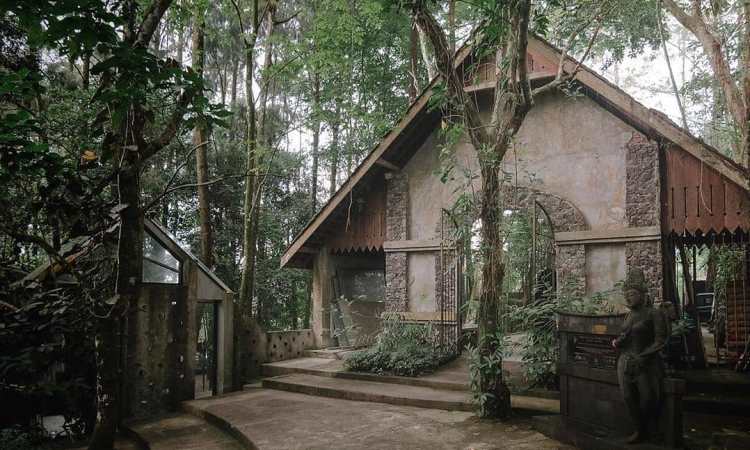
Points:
x=371, y=160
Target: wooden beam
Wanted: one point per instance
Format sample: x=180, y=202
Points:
x=633, y=234
x=430, y=245
x=387, y=164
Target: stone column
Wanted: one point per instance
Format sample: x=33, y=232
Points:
x=322, y=293
x=643, y=209
x=397, y=229
x=571, y=269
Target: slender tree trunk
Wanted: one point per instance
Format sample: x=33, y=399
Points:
x=315, y=142
x=85, y=71
x=200, y=140
x=675, y=90
x=413, y=88
x=233, y=90
x=736, y=94
x=427, y=57
x=334, y=152
x=248, y=244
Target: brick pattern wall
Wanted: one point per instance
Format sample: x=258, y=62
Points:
x=397, y=229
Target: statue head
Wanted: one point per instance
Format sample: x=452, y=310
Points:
x=635, y=288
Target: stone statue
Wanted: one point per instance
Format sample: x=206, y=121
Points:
x=639, y=369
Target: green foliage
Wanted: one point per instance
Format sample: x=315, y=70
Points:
x=401, y=348
x=729, y=260
x=486, y=368
x=540, y=350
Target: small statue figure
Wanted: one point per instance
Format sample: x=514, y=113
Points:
x=639, y=369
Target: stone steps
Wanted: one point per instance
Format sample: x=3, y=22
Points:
x=183, y=431
x=396, y=394
x=335, y=370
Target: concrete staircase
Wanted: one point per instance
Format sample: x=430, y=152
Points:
x=446, y=390
x=224, y=422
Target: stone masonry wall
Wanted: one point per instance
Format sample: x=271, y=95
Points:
x=397, y=229
x=571, y=269
x=647, y=256
x=642, y=206
x=643, y=209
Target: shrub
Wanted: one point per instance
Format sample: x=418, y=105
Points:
x=401, y=348
x=541, y=349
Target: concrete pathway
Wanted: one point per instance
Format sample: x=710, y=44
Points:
x=272, y=419
x=183, y=432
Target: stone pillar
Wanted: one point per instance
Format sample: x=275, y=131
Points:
x=322, y=292
x=571, y=269
x=643, y=209
x=397, y=229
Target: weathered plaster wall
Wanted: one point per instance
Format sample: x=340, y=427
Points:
x=569, y=147
x=605, y=266
x=572, y=147
x=421, y=282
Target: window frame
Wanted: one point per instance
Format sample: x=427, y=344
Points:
x=180, y=262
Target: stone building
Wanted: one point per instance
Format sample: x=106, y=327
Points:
x=178, y=343
x=618, y=183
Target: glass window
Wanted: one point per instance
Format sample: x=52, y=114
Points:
x=363, y=285
x=159, y=265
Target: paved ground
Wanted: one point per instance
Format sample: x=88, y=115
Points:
x=284, y=421
x=184, y=432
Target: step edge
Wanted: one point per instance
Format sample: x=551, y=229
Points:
x=220, y=423
x=278, y=383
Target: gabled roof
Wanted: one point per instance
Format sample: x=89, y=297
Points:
x=81, y=245
x=651, y=122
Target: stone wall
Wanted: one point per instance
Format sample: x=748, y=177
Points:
x=643, y=209
x=272, y=346
x=562, y=213
x=396, y=292
x=571, y=269
x=397, y=229
x=642, y=206
x=397, y=207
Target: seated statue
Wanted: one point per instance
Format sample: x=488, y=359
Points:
x=639, y=368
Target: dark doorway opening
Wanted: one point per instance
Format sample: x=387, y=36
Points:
x=207, y=315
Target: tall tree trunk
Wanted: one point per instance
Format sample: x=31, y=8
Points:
x=334, y=151
x=413, y=88
x=512, y=101
x=109, y=341
x=315, y=142
x=200, y=140
x=427, y=56
x=249, y=238
x=736, y=94
x=85, y=70
x=675, y=90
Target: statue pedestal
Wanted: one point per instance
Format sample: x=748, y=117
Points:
x=590, y=398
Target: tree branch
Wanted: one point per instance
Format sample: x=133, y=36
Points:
x=151, y=18
x=712, y=46
x=172, y=126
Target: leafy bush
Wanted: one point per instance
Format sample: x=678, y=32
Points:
x=541, y=350
x=401, y=348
